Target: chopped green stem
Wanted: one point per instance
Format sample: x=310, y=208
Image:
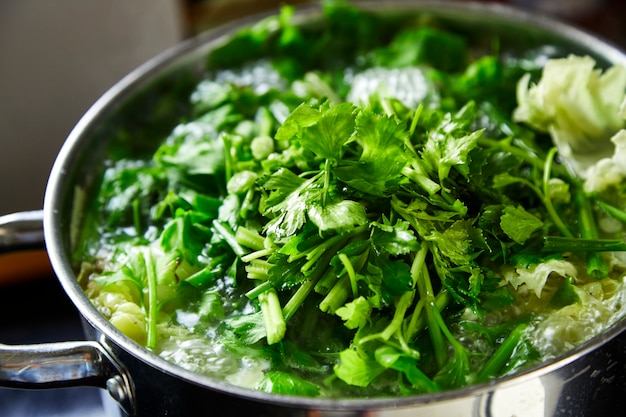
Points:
x=314, y=252
x=298, y=297
x=418, y=263
x=326, y=172
x=360, y=260
x=404, y=346
x=586, y=219
x=337, y=296
x=258, y=269
x=416, y=118
x=226, y=232
x=200, y=277
x=419, y=320
x=596, y=266
x=566, y=244
x=444, y=329
x=275, y=325
x=416, y=322
x=493, y=366
x=351, y=274
x=258, y=254
x=460, y=361
x=547, y=171
x=430, y=186
x=249, y=238
x=447, y=197
x=248, y=207
x=228, y=158
x=613, y=211
x=420, y=379
x=137, y=216
x=426, y=292
x=259, y=289
x=325, y=284
x=330, y=245
x=401, y=343
x=305, y=289
x=152, y=298
x=396, y=322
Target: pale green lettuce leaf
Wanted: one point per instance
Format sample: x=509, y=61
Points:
x=536, y=275
x=578, y=104
x=608, y=171
x=600, y=305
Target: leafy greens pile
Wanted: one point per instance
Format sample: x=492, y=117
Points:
x=365, y=215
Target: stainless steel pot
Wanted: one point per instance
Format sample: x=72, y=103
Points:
x=144, y=384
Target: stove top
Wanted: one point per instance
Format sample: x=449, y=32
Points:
x=38, y=311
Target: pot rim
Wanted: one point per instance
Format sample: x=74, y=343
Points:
x=193, y=47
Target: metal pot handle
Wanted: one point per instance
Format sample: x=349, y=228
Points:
x=21, y=230
x=60, y=364
x=65, y=364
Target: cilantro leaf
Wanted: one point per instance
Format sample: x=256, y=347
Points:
x=356, y=313
x=383, y=155
x=396, y=239
x=394, y=359
x=356, y=368
x=289, y=201
x=277, y=382
x=449, y=144
x=323, y=131
x=337, y=215
x=519, y=224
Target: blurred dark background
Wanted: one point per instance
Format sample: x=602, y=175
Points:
x=57, y=57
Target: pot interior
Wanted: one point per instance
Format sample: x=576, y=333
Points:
x=143, y=108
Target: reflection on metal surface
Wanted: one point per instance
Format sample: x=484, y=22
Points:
x=525, y=400
x=19, y=230
x=567, y=8
x=65, y=364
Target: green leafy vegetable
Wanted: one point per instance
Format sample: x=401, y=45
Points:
x=518, y=224
x=576, y=102
x=364, y=209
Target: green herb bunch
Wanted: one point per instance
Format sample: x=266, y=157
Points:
x=357, y=212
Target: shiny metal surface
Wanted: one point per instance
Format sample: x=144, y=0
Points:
x=583, y=384
x=559, y=388
x=21, y=230
x=65, y=364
